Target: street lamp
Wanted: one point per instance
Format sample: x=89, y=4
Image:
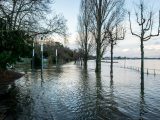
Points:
x=56, y=56
x=33, y=53
x=41, y=53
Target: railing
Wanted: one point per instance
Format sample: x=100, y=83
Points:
x=146, y=70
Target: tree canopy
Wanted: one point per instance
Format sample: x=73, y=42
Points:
x=20, y=22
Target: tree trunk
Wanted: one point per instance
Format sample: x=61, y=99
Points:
x=98, y=58
x=86, y=48
x=85, y=61
x=98, y=39
x=111, y=66
x=142, y=64
x=98, y=49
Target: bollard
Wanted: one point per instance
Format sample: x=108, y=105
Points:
x=147, y=71
x=154, y=72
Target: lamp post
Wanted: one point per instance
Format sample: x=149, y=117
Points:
x=41, y=53
x=56, y=57
x=33, y=55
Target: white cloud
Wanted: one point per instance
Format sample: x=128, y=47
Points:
x=152, y=47
x=125, y=50
x=72, y=41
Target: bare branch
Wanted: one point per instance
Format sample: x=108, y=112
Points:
x=131, y=27
x=151, y=35
x=148, y=25
x=137, y=19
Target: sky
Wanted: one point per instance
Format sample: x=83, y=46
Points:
x=129, y=47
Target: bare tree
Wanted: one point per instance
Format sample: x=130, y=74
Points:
x=115, y=29
x=28, y=19
x=115, y=35
x=101, y=12
x=20, y=13
x=146, y=25
x=85, y=39
x=30, y=15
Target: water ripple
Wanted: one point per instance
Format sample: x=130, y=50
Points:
x=68, y=93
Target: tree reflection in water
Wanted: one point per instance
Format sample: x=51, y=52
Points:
x=106, y=105
x=13, y=103
x=73, y=92
x=99, y=96
x=9, y=104
x=142, y=104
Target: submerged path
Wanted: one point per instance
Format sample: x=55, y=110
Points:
x=69, y=92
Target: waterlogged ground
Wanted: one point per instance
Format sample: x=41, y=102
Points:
x=69, y=92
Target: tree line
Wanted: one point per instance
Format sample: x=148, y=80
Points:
x=55, y=52
x=101, y=25
x=23, y=20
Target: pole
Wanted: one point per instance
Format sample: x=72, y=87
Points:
x=56, y=57
x=154, y=72
x=41, y=53
x=33, y=56
x=125, y=63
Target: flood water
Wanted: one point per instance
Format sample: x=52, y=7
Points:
x=69, y=92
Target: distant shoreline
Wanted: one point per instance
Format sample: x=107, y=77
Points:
x=132, y=59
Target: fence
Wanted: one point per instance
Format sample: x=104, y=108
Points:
x=146, y=70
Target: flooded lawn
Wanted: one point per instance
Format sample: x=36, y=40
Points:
x=69, y=92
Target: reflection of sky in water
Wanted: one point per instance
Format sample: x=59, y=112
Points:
x=69, y=92
x=151, y=64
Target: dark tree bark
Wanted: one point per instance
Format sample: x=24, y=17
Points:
x=111, y=67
